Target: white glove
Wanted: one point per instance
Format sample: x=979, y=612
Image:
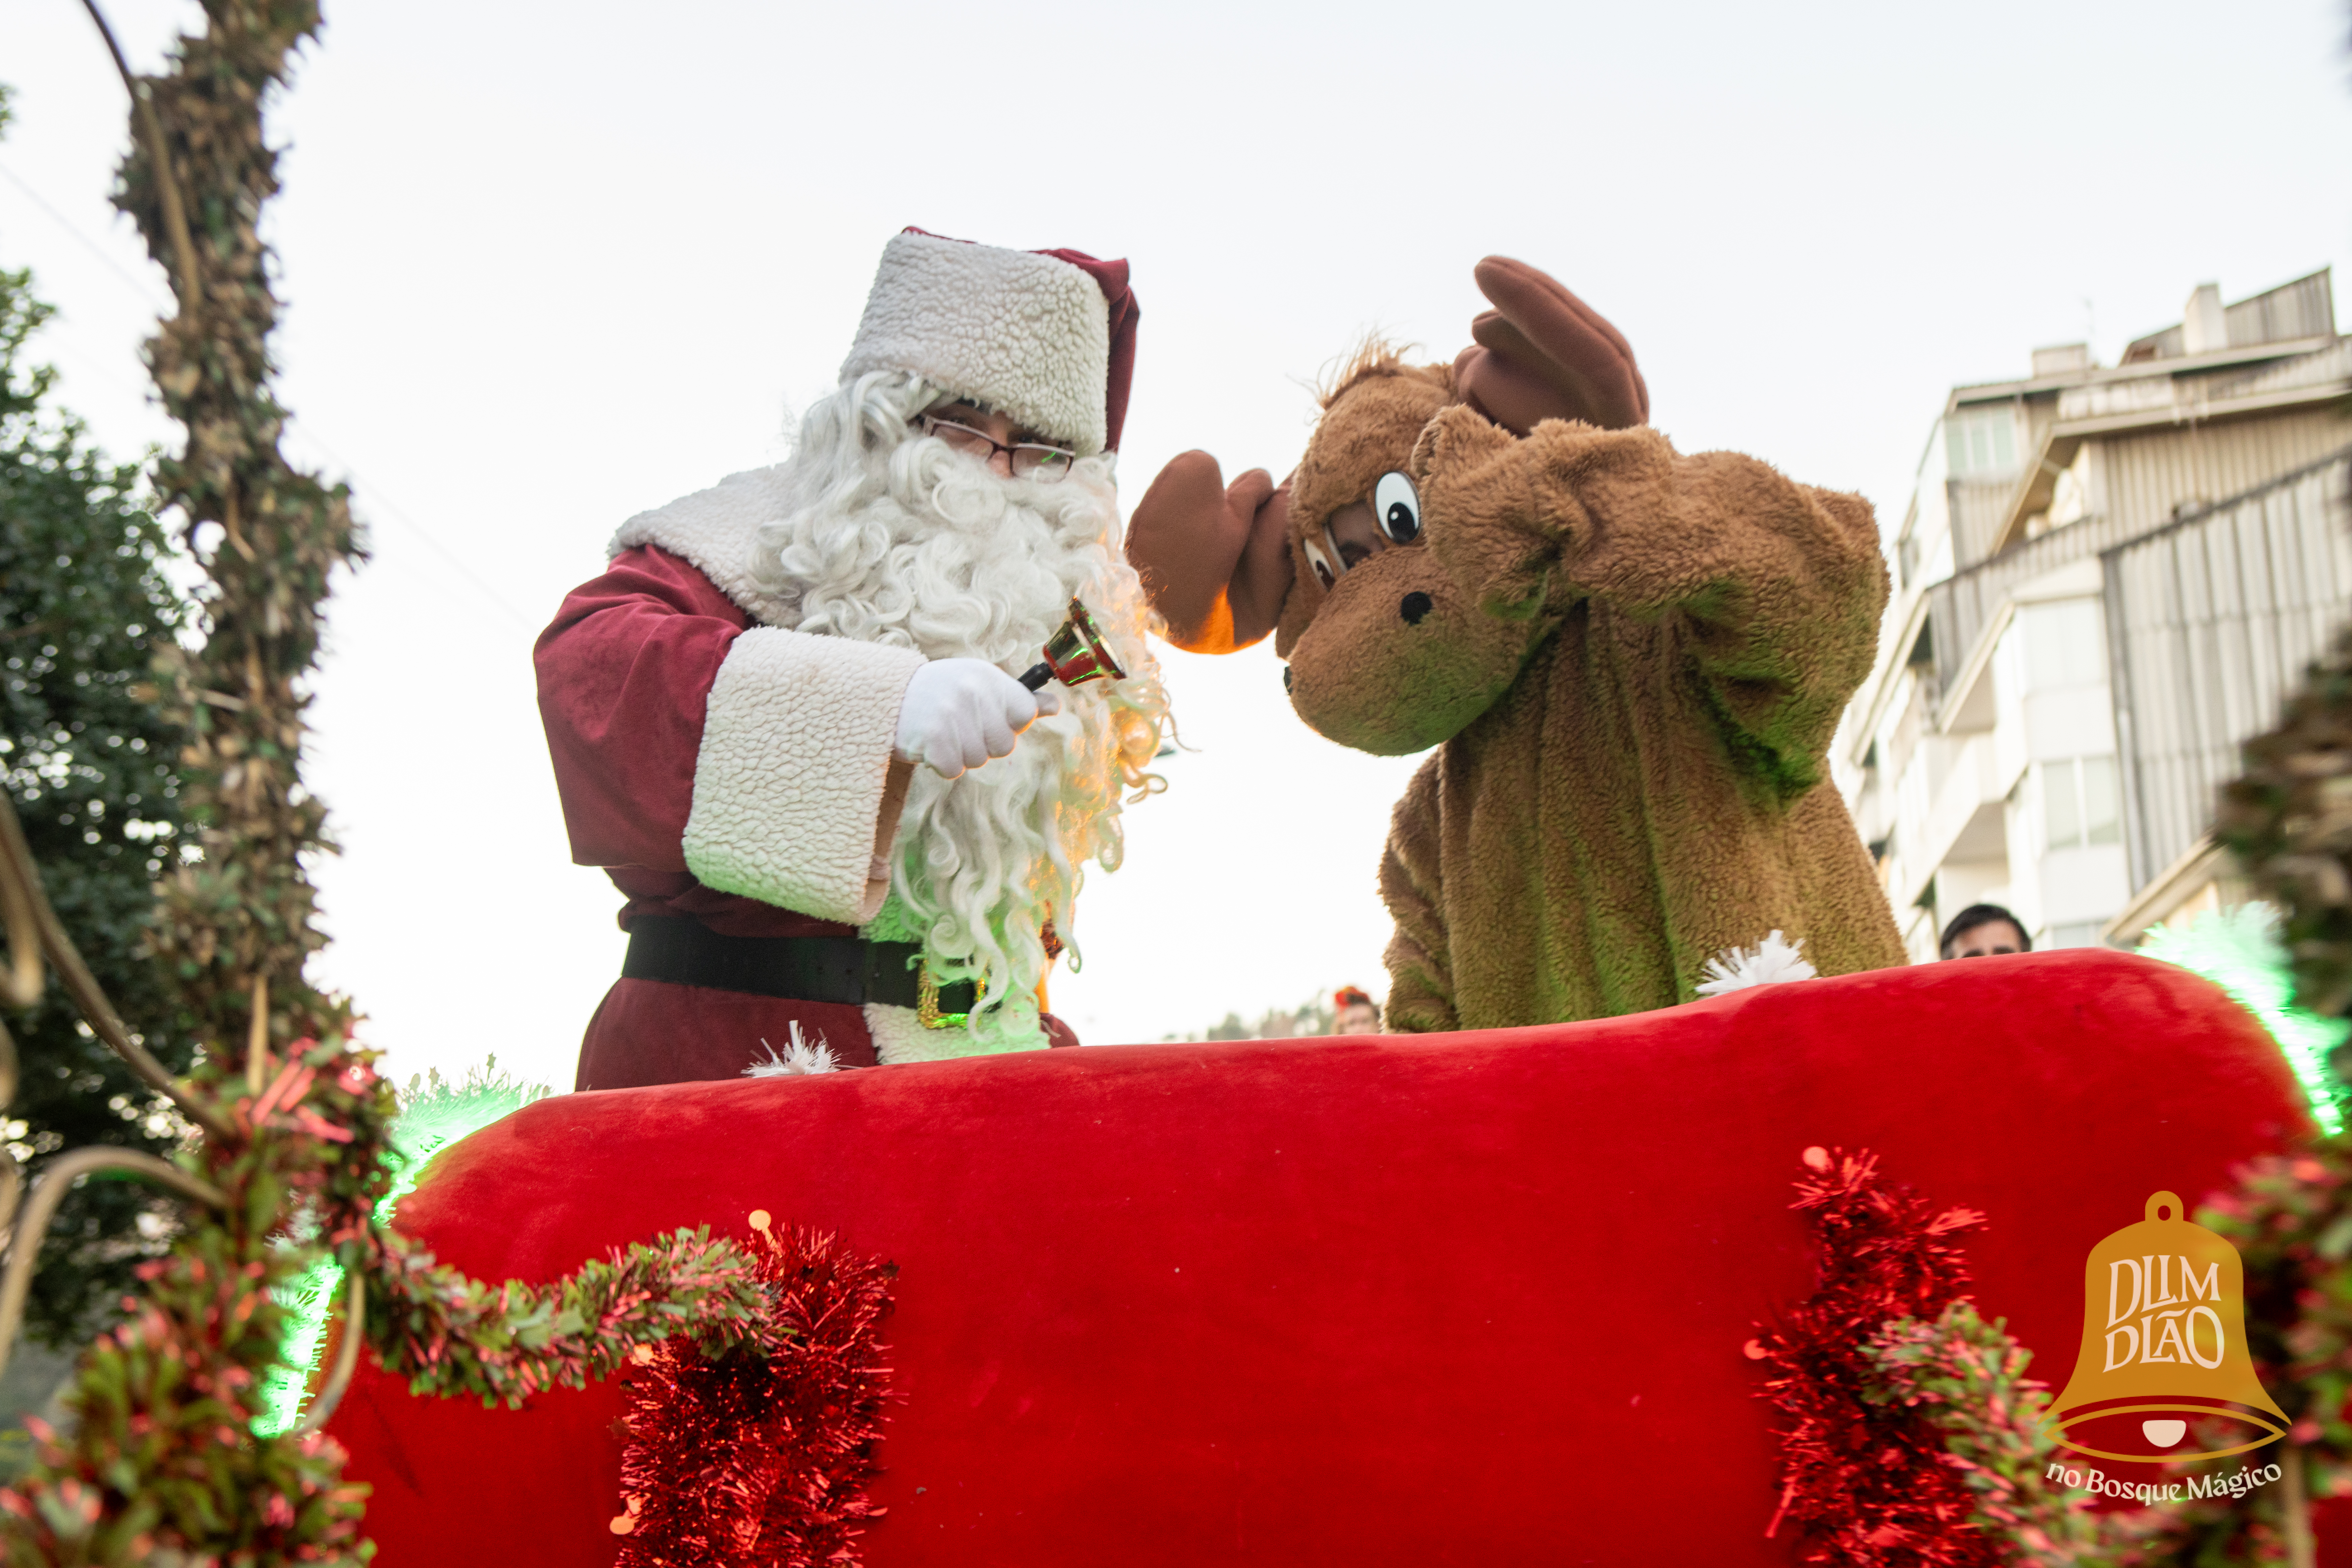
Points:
x=959, y=712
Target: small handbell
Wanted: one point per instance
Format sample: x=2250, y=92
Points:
x=2164, y=1344
x=1074, y=654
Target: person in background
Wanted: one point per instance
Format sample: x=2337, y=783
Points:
x=1354, y=1012
x=1982, y=931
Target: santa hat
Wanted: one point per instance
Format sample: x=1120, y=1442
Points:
x=1046, y=336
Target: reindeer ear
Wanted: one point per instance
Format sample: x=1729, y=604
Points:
x=1543, y=354
x=1212, y=557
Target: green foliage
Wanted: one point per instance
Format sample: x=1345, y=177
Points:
x=1963, y=1382
x=452, y=1335
x=1968, y=1377
x=272, y=536
x=163, y=1465
x=434, y=1113
x=2240, y=950
x=2288, y=818
x=90, y=762
x=2290, y=1217
x=2291, y=1221
x=147, y=1475
x=166, y=1464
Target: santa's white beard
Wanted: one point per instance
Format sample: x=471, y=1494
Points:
x=927, y=549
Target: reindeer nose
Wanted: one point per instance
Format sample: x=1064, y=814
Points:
x=1415, y=606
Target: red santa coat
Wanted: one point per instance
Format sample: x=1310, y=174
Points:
x=719, y=766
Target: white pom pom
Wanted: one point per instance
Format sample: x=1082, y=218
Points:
x=1770, y=961
x=799, y=1058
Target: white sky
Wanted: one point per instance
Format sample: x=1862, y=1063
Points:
x=548, y=265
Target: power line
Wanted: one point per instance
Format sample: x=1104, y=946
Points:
x=87, y=243
x=377, y=502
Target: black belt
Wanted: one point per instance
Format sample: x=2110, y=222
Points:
x=847, y=970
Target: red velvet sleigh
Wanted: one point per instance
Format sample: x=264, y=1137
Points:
x=1453, y=1298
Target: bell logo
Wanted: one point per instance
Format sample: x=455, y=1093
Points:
x=2164, y=1338
x=2133, y=1283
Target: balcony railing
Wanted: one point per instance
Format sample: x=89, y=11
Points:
x=1962, y=606
x=2211, y=620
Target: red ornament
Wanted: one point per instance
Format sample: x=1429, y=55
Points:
x=1868, y=1483
x=760, y=1460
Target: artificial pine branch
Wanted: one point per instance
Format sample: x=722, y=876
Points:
x=1968, y=1378
x=2290, y=1217
x=454, y=1335
x=1918, y=1440
x=164, y=1464
x=2289, y=820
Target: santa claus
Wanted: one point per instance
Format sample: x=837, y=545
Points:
x=784, y=719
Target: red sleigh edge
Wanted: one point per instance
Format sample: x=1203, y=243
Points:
x=1454, y=1299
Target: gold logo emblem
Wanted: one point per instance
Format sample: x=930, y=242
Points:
x=2164, y=1339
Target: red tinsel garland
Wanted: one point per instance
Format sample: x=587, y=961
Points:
x=1867, y=1481
x=759, y=1460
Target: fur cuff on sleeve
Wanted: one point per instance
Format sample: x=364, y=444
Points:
x=795, y=803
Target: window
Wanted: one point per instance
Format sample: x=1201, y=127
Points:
x=2065, y=643
x=2080, y=806
x=1981, y=442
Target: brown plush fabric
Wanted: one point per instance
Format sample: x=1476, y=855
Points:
x=1543, y=354
x=1214, y=558
x=1631, y=662
x=1386, y=409
x=1634, y=661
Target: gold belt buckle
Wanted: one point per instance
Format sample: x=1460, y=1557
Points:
x=927, y=1002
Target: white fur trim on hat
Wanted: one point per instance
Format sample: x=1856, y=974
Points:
x=791, y=798
x=1026, y=334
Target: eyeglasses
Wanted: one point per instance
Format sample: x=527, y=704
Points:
x=1031, y=460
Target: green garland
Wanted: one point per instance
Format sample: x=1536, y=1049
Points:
x=181, y=1452
x=2241, y=952
x=434, y=1113
x=453, y=1335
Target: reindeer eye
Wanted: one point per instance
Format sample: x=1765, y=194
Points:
x=1321, y=562
x=1398, y=506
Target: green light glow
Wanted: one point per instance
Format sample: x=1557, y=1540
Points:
x=2239, y=950
x=433, y=1113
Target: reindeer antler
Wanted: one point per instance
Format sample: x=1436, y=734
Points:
x=1543, y=354
x=1214, y=558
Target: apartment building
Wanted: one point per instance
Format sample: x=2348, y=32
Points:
x=2107, y=578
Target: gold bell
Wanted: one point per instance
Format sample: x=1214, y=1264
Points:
x=1074, y=654
x=2164, y=1339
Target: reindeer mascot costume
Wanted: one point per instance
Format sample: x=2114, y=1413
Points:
x=1631, y=663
